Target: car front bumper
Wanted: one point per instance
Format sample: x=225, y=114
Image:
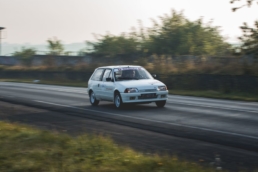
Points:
x=137, y=97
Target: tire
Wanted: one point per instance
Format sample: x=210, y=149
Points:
x=161, y=104
x=93, y=100
x=118, y=101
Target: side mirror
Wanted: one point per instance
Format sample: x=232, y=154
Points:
x=109, y=79
x=154, y=76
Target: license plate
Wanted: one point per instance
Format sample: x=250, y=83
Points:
x=153, y=95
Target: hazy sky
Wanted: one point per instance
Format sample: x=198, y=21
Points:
x=34, y=21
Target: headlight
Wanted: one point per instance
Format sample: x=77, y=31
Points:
x=162, y=88
x=131, y=90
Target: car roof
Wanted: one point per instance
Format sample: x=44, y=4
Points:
x=118, y=66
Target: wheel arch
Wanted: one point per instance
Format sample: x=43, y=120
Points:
x=116, y=91
x=90, y=91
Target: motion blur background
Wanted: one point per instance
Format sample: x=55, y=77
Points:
x=191, y=45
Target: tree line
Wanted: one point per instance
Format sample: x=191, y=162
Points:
x=172, y=34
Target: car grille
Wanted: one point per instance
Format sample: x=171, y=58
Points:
x=148, y=90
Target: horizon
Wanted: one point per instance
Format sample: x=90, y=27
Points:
x=72, y=47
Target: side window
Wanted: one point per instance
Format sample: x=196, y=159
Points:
x=106, y=74
x=117, y=74
x=97, y=75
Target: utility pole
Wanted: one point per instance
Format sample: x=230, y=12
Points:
x=1, y=28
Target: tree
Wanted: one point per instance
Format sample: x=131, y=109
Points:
x=172, y=35
x=112, y=45
x=248, y=3
x=55, y=46
x=176, y=35
x=26, y=55
x=250, y=39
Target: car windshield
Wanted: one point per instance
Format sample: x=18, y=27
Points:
x=131, y=73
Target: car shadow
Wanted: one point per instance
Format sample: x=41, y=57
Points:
x=106, y=106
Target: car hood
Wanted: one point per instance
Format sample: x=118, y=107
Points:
x=140, y=84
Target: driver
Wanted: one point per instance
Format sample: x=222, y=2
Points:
x=129, y=73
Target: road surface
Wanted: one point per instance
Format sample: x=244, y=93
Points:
x=223, y=122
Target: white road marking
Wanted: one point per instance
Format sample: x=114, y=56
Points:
x=55, y=88
x=215, y=107
x=162, y=122
x=10, y=96
x=184, y=102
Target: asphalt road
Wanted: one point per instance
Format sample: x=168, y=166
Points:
x=228, y=123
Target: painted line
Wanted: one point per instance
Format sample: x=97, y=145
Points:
x=162, y=122
x=170, y=101
x=212, y=100
x=9, y=96
x=215, y=107
x=56, y=88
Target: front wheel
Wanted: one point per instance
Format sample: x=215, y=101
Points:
x=93, y=99
x=161, y=103
x=118, y=101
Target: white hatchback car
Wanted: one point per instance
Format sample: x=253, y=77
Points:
x=125, y=84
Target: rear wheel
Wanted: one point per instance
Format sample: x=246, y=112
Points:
x=118, y=101
x=161, y=103
x=93, y=99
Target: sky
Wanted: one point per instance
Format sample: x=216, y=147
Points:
x=72, y=21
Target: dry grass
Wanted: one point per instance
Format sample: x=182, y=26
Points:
x=163, y=65
x=24, y=149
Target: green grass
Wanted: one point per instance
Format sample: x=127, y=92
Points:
x=217, y=94
x=209, y=93
x=25, y=149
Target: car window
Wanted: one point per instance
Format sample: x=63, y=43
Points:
x=117, y=74
x=106, y=74
x=97, y=76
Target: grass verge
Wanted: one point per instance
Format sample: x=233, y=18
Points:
x=205, y=93
x=25, y=149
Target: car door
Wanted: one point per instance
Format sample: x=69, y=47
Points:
x=96, y=81
x=107, y=86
